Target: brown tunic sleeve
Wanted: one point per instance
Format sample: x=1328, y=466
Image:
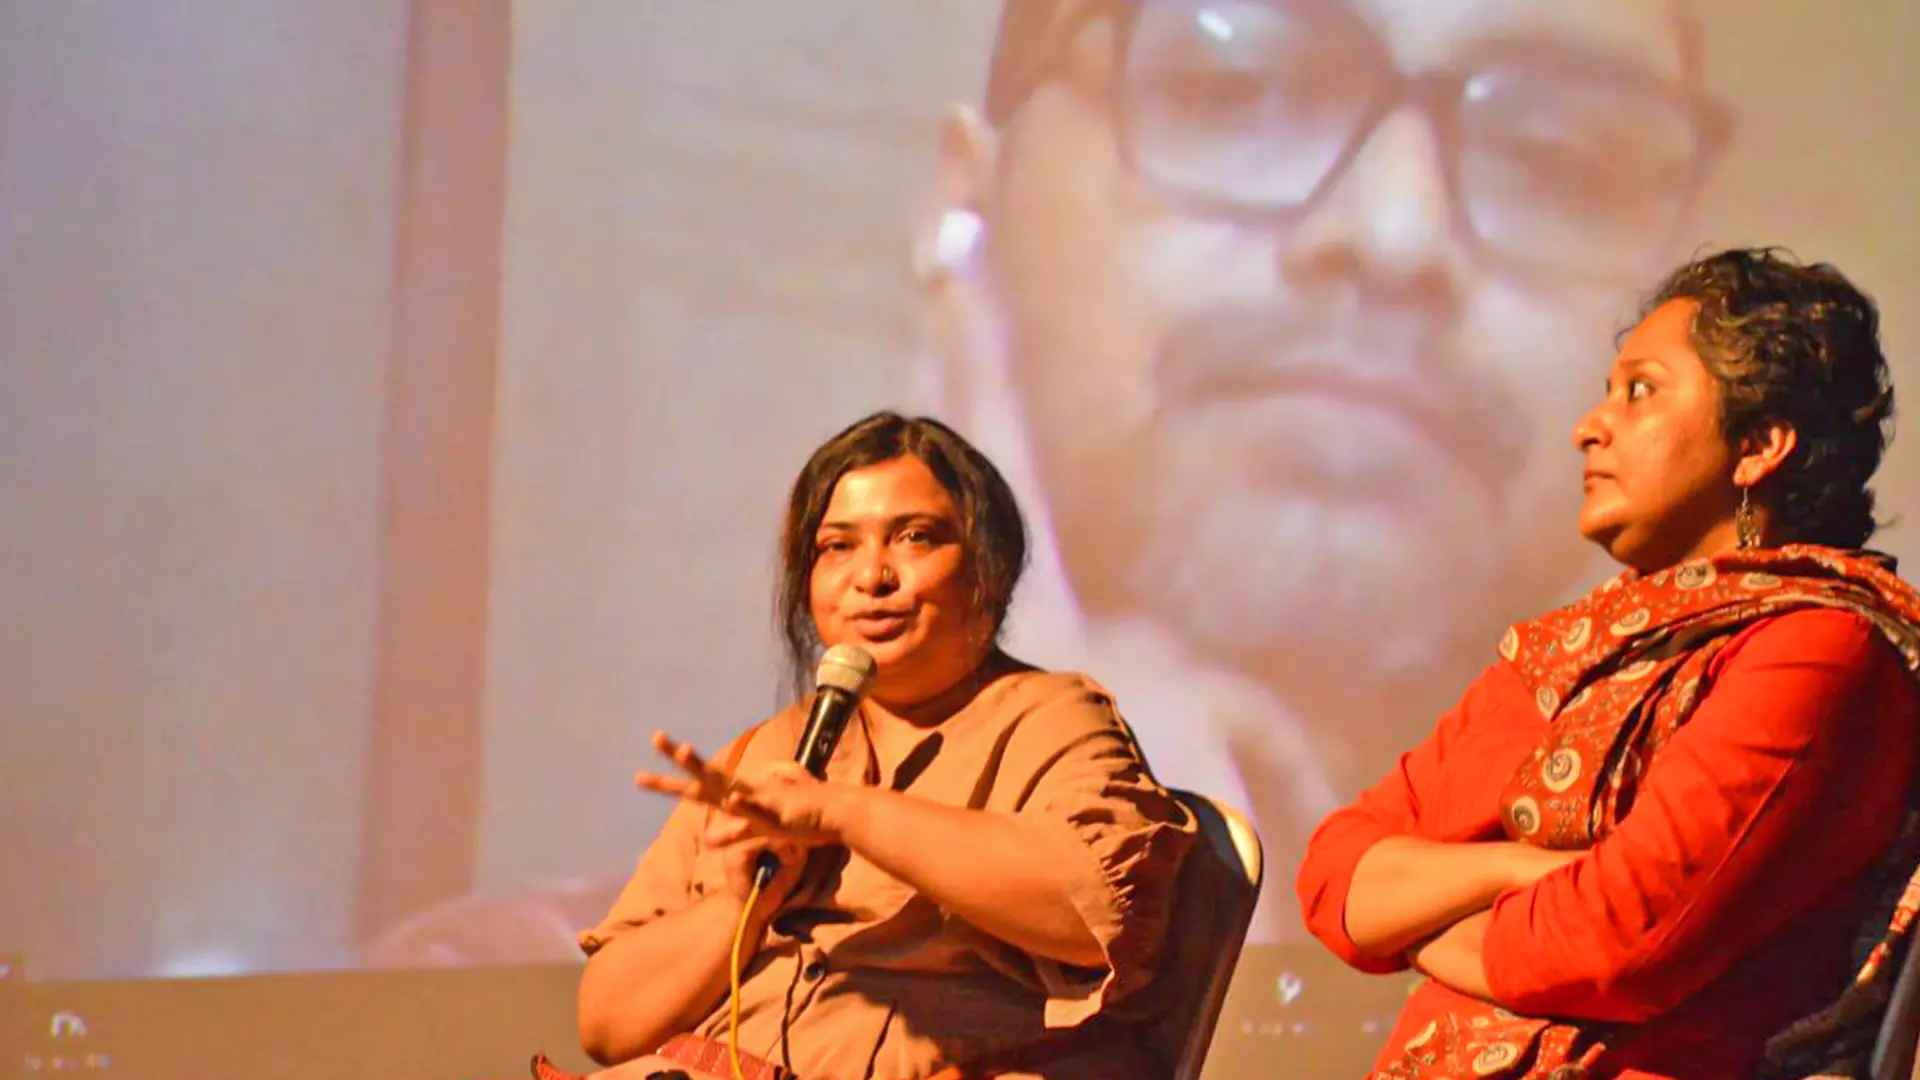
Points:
x=1122, y=837
x=667, y=878
x=660, y=885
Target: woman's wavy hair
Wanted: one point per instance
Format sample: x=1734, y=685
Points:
x=994, y=534
x=1796, y=344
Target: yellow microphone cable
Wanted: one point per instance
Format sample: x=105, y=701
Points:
x=733, y=982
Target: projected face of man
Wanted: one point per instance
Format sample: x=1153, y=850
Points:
x=1300, y=296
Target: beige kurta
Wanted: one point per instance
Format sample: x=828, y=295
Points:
x=860, y=977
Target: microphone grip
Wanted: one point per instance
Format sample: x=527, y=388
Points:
x=832, y=707
x=765, y=866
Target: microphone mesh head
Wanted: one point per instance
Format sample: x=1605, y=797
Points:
x=847, y=668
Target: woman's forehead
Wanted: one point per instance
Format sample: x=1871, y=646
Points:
x=901, y=488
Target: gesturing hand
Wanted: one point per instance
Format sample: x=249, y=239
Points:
x=778, y=802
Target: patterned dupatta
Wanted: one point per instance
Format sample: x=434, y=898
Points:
x=1616, y=674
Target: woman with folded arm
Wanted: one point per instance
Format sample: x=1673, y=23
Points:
x=1645, y=838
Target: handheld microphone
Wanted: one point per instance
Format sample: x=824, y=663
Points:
x=839, y=683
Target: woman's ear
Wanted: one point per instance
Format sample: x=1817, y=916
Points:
x=1762, y=453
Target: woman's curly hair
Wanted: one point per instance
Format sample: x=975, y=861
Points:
x=1796, y=344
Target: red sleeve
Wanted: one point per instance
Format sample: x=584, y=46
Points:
x=1789, y=780
x=1442, y=789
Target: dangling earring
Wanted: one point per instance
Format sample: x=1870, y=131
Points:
x=1746, y=523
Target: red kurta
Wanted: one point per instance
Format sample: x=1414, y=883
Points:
x=1724, y=904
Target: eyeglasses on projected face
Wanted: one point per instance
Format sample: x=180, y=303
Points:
x=1555, y=156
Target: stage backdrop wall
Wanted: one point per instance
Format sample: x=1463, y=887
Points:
x=398, y=401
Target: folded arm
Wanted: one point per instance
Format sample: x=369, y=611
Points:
x=1424, y=848
x=1406, y=889
x=1788, y=782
